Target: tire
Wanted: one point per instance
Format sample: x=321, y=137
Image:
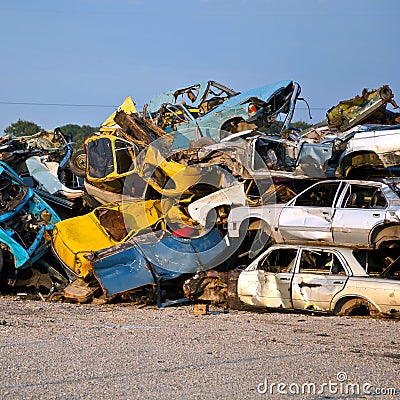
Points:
x=77, y=163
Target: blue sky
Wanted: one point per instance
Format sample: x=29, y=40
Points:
x=94, y=53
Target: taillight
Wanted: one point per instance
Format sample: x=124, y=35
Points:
x=251, y=110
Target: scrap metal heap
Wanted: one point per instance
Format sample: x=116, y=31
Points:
x=188, y=193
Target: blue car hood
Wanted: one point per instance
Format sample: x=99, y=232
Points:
x=145, y=260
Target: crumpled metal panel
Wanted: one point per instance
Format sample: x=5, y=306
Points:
x=122, y=271
x=132, y=264
x=169, y=97
x=313, y=158
x=264, y=93
x=174, y=256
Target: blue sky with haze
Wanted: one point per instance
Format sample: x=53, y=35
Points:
x=85, y=54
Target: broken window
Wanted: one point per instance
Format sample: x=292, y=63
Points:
x=100, y=158
x=384, y=263
x=280, y=260
x=363, y=196
x=123, y=156
x=321, y=195
x=320, y=262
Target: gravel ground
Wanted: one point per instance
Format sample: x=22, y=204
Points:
x=69, y=351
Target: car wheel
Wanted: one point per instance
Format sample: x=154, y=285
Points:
x=357, y=306
x=77, y=163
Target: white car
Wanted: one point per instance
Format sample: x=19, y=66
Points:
x=340, y=212
x=334, y=280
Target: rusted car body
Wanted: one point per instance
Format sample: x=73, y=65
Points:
x=323, y=279
x=349, y=113
x=340, y=212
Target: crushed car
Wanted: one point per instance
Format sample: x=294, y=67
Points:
x=334, y=280
x=107, y=226
x=155, y=265
x=26, y=224
x=341, y=212
x=319, y=152
x=43, y=160
x=254, y=109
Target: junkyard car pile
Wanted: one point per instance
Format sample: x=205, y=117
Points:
x=212, y=196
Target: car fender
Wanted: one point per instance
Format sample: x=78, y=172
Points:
x=340, y=298
x=375, y=231
x=233, y=196
x=21, y=256
x=238, y=216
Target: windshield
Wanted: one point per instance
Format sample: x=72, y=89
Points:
x=100, y=158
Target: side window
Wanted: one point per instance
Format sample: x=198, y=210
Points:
x=377, y=263
x=320, y=262
x=321, y=195
x=280, y=260
x=364, y=196
x=378, y=200
x=123, y=156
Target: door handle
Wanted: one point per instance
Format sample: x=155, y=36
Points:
x=376, y=215
x=338, y=282
x=284, y=279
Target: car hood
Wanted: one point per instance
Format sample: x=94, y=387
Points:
x=74, y=237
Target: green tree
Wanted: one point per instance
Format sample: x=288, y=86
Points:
x=301, y=125
x=22, y=128
x=78, y=133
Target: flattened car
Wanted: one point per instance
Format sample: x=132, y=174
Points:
x=158, y=260
x=333, y=280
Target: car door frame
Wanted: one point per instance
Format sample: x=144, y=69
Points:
x=278, y=282
x=359, y=235
x=302, y=232
x=310, y=284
